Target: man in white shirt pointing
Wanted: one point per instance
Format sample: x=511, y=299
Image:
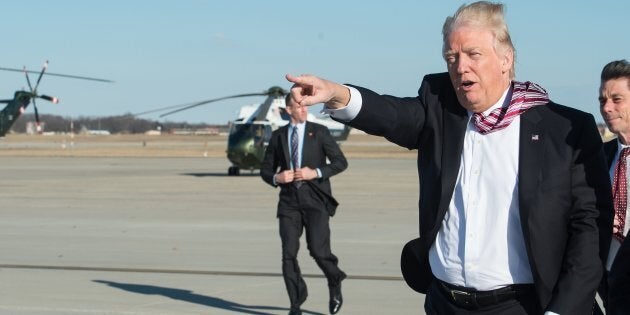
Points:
x=513, y=186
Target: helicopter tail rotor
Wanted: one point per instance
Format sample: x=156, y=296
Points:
x=34, y=95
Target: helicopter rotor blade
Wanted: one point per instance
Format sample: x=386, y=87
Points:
x=58, y=75
x=37, y=124
x=28, y=80
x=163, y=108
x=40, y=75
x=210, y=101
x=51, y=99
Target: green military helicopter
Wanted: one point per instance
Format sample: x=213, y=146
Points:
x=21, y=99
x=250, y=132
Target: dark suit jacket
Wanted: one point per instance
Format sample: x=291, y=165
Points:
x=318, y=146
x=618, y=287
x=562, y=184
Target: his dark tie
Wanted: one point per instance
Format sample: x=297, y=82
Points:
x=295, y=154
x=620, y=194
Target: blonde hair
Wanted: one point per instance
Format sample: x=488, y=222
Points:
x=487, y=15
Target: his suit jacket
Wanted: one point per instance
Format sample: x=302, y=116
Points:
x=318, y=146
x=562, y=183
x=618, y=287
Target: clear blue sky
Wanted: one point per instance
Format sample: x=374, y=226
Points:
x=163, y=53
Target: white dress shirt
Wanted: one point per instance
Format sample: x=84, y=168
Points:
x=615, y=243
x=480, y=244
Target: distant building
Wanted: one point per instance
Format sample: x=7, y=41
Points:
x=197, y=132
x=153, y=133
x=97, y=132
x=31, y=127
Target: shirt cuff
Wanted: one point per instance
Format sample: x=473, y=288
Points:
x=551, y=313
x=319, y=173
x=351, y=110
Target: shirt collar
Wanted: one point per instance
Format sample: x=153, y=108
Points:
x=621, y=146
x=299, y=125
x=499, y=103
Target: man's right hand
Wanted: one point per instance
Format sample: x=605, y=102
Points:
x=309, y=90
x=284, y=177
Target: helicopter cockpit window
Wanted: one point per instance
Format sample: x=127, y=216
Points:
x=238, y=129
x=268, y=132
x=262, y=134
x=258, y=131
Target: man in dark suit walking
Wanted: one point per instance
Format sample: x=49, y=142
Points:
x=295, y=160
x=614, y=100
x=512, y=185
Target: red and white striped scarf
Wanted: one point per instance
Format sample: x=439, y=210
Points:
x=525, y=95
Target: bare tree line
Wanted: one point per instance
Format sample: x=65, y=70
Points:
x=124, y=124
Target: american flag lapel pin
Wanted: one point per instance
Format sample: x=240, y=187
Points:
x=534, y=137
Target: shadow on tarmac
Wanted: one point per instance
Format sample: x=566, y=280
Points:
x=243, y=174
x=189, y=296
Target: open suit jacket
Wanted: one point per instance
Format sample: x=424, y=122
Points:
x=562, y=180
x=618, y=288
x=318, y=145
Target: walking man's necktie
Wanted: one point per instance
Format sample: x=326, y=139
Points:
x=295, y=158
x=620, y=194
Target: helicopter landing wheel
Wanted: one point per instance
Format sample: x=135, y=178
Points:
x=234, y=171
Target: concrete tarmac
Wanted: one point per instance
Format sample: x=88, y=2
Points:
x=179, y=236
